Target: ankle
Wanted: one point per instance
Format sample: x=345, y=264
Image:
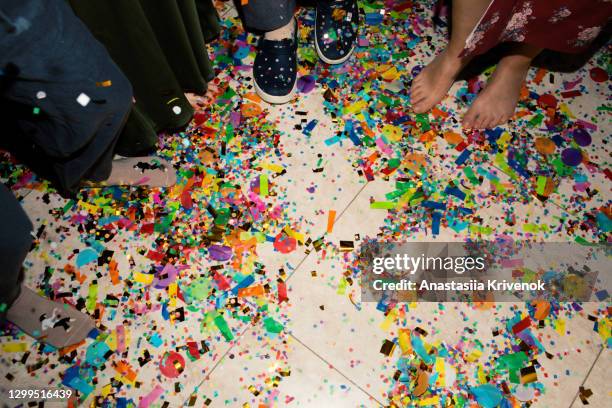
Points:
x=515, y=62
x=282, y=33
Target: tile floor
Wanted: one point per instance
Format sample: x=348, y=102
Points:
x=322, y=346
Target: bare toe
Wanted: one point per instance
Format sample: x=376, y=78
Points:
x=468, y=118
x=433, y=82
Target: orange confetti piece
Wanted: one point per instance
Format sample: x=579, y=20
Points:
x=439, y=113
x=453, y=138
x=69, y=349
x=542, y=309
x=539, y=76
x=428, y=136
x=545, y=146
x=250, y=110
x=252, y=96
x=257, y=290
x=125, y=370
x=69, y=269
x=113, y=271
x=331, y=218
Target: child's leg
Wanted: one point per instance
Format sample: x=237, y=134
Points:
x=496, y=103
x=20, y=305
x=432, y=84
x=268, y=15
x=275, y=65
x=81, y=98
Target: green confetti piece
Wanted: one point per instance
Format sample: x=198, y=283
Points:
x=263, y=185
x=536, y=120
x=223, y=328
x=92, y=297
x=383, y=205
x=272, y=326
x=342, y=286
x=223, y=216
x=541, y=185
x=394, y=194
x=229, y=132
x=68, y=206
x=469, y=173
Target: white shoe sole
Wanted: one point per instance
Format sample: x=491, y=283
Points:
x=276, y=99
x=323, y=57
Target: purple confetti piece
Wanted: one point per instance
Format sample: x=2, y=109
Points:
x=582, y=137
x=220, y=252
x=571, y=157
x=306, y=84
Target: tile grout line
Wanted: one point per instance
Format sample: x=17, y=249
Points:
x=218, y=362
x=325, y=233
x=351, y=202
x=335, y=369
x=586, y=377
x=214, y=367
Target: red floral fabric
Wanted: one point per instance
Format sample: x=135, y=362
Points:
x=560, y=25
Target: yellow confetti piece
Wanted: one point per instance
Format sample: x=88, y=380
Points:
x=359, y=106
x=293, y=234
x=106, y=390
x=404, y=341
x=111, y=340
x=474, y=355
x=482, y=378
x=391, y=316
x=14, y=347
x=439, y=367
x=172, y=292
x=565, y=109
x=144, y=278
x=503, y=140
x=89, y=207
x=605, y=329
x=276, y=168
x=560, y=326
x=390, y=74
x=392, y=133
x=431, y=401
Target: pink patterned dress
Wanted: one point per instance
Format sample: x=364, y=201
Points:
x=560, y=25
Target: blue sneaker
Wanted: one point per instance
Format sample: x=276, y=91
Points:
x=275, y=69
x=336, y=27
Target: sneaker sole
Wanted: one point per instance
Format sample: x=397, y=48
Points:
x=276, y=99
x=323, y=57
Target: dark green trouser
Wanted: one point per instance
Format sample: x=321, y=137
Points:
x=65, y=100
x=160, y=46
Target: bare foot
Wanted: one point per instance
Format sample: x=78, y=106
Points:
x=496, y=103
x=433, y=83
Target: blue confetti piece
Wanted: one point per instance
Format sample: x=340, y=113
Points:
x=435, y=224
x=433, y=204
x=86, y=256
x=310, y=127
x=246, y=282
x=463, y=157
x=487, y=395
x=602, y=295
x=419, y=348
x=455, y=191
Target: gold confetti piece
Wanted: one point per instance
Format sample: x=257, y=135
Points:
x=104, y=84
